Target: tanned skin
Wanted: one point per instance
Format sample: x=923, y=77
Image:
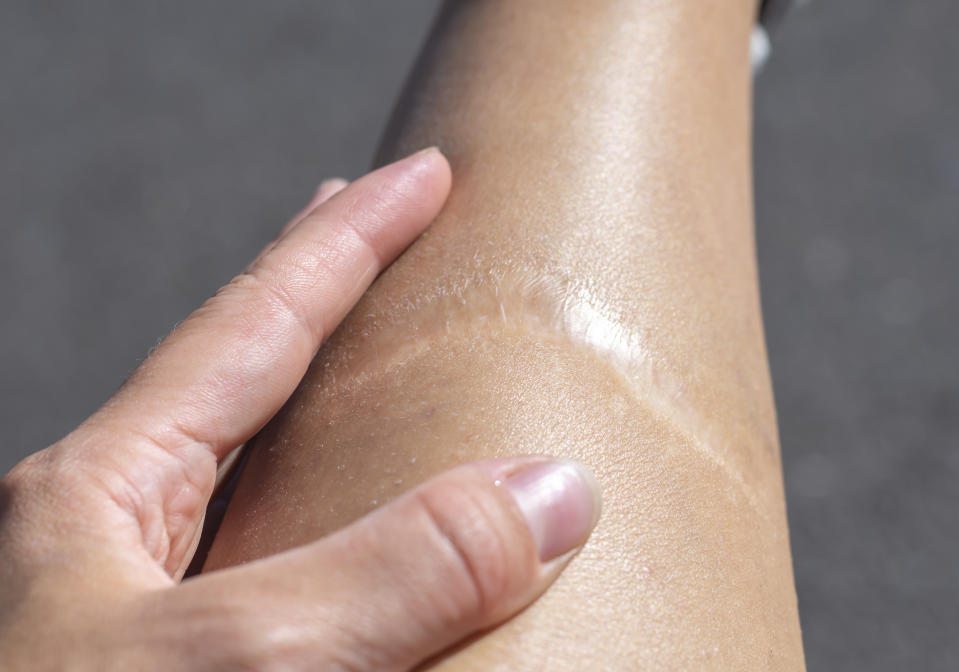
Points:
x=589, y=290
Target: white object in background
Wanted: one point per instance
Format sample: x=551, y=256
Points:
x=759, y=47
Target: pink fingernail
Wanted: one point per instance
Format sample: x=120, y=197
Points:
x=560, y=500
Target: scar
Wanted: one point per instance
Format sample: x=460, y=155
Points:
x=553, y=310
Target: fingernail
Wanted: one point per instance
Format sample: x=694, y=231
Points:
x=560, y=500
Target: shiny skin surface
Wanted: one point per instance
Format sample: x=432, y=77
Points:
x=589, y=290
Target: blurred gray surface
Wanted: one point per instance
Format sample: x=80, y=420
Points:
x=149, y=150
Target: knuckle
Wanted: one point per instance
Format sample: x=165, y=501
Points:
x=483, y=545
x=266, y=289
x=24, y=472
x=35, y=498
x=365, y=217
x=34, y=479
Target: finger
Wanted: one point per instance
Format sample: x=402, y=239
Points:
x=459, y=554
x=225, y=470
x=229, y=367
x=326, y=191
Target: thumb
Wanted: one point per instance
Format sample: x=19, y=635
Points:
x=459, y=554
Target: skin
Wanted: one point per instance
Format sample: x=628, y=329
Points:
x=588, y=291
x=97, y=530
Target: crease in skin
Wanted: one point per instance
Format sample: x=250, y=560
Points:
x=549, y=308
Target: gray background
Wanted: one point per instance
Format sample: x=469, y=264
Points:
x=147, y=150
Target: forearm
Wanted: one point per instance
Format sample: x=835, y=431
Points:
x=590, y=291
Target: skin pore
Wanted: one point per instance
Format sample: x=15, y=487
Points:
x=589, y=291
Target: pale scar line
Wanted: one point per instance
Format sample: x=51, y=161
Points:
x=554, y=311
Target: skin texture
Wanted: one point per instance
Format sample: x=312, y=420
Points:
x=589, y=291
x=96, y=530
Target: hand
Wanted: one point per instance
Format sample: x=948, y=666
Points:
x=97, y=530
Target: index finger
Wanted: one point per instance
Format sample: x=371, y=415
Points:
x=226, y=370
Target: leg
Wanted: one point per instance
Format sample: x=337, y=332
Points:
x=590, y=290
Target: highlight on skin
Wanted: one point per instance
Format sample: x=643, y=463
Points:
x=589, y=291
